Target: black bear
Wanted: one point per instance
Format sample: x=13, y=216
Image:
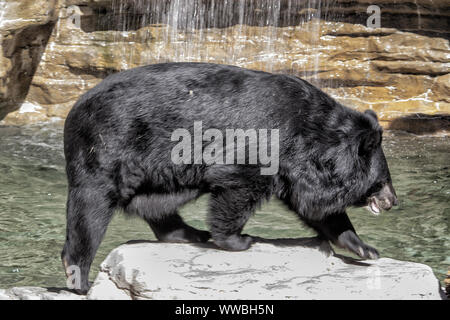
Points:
x=118, y=144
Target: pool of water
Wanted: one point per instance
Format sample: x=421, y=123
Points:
x=33, y=195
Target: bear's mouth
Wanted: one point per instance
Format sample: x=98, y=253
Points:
x=383, y=200
x=373, y=206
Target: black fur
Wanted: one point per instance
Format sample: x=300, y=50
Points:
x=117, y=148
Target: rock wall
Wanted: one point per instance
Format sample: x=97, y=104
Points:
x=25, y=27
x=399, y=69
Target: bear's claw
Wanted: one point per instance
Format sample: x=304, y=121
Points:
x=350, y=241
x=235, y=242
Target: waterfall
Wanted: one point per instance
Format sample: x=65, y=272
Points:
x=224, y=31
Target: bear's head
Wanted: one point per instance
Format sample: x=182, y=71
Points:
x=380, y=194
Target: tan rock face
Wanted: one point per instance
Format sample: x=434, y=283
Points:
x=389, y=69
x=25, y=27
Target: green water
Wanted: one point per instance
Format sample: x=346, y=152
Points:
x=33, y=195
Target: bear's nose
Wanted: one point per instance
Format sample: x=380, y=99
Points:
x=386, y=204
x=388, y=194
x=395, y=202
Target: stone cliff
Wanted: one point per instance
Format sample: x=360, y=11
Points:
x=53, y=51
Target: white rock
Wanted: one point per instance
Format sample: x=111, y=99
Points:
x=37, y=293
x=270, y=269
x=29, y=107
x=103, y=289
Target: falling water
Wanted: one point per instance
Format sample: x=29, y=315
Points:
x=248, y=33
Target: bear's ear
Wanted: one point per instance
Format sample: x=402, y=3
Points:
x=371, y=113
x=369, y=141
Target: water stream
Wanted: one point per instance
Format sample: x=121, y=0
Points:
x=33, y=195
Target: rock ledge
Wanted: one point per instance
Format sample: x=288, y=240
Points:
x=270, y=269
x=38, y=293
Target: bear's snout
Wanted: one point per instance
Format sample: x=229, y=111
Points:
x=387, y=198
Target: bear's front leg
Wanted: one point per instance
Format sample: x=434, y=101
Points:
x=338, y=229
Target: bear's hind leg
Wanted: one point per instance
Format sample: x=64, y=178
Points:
x=338, y=229
x=229, y=211
x=160, y=212
x=88, y=215
x=172, y=228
